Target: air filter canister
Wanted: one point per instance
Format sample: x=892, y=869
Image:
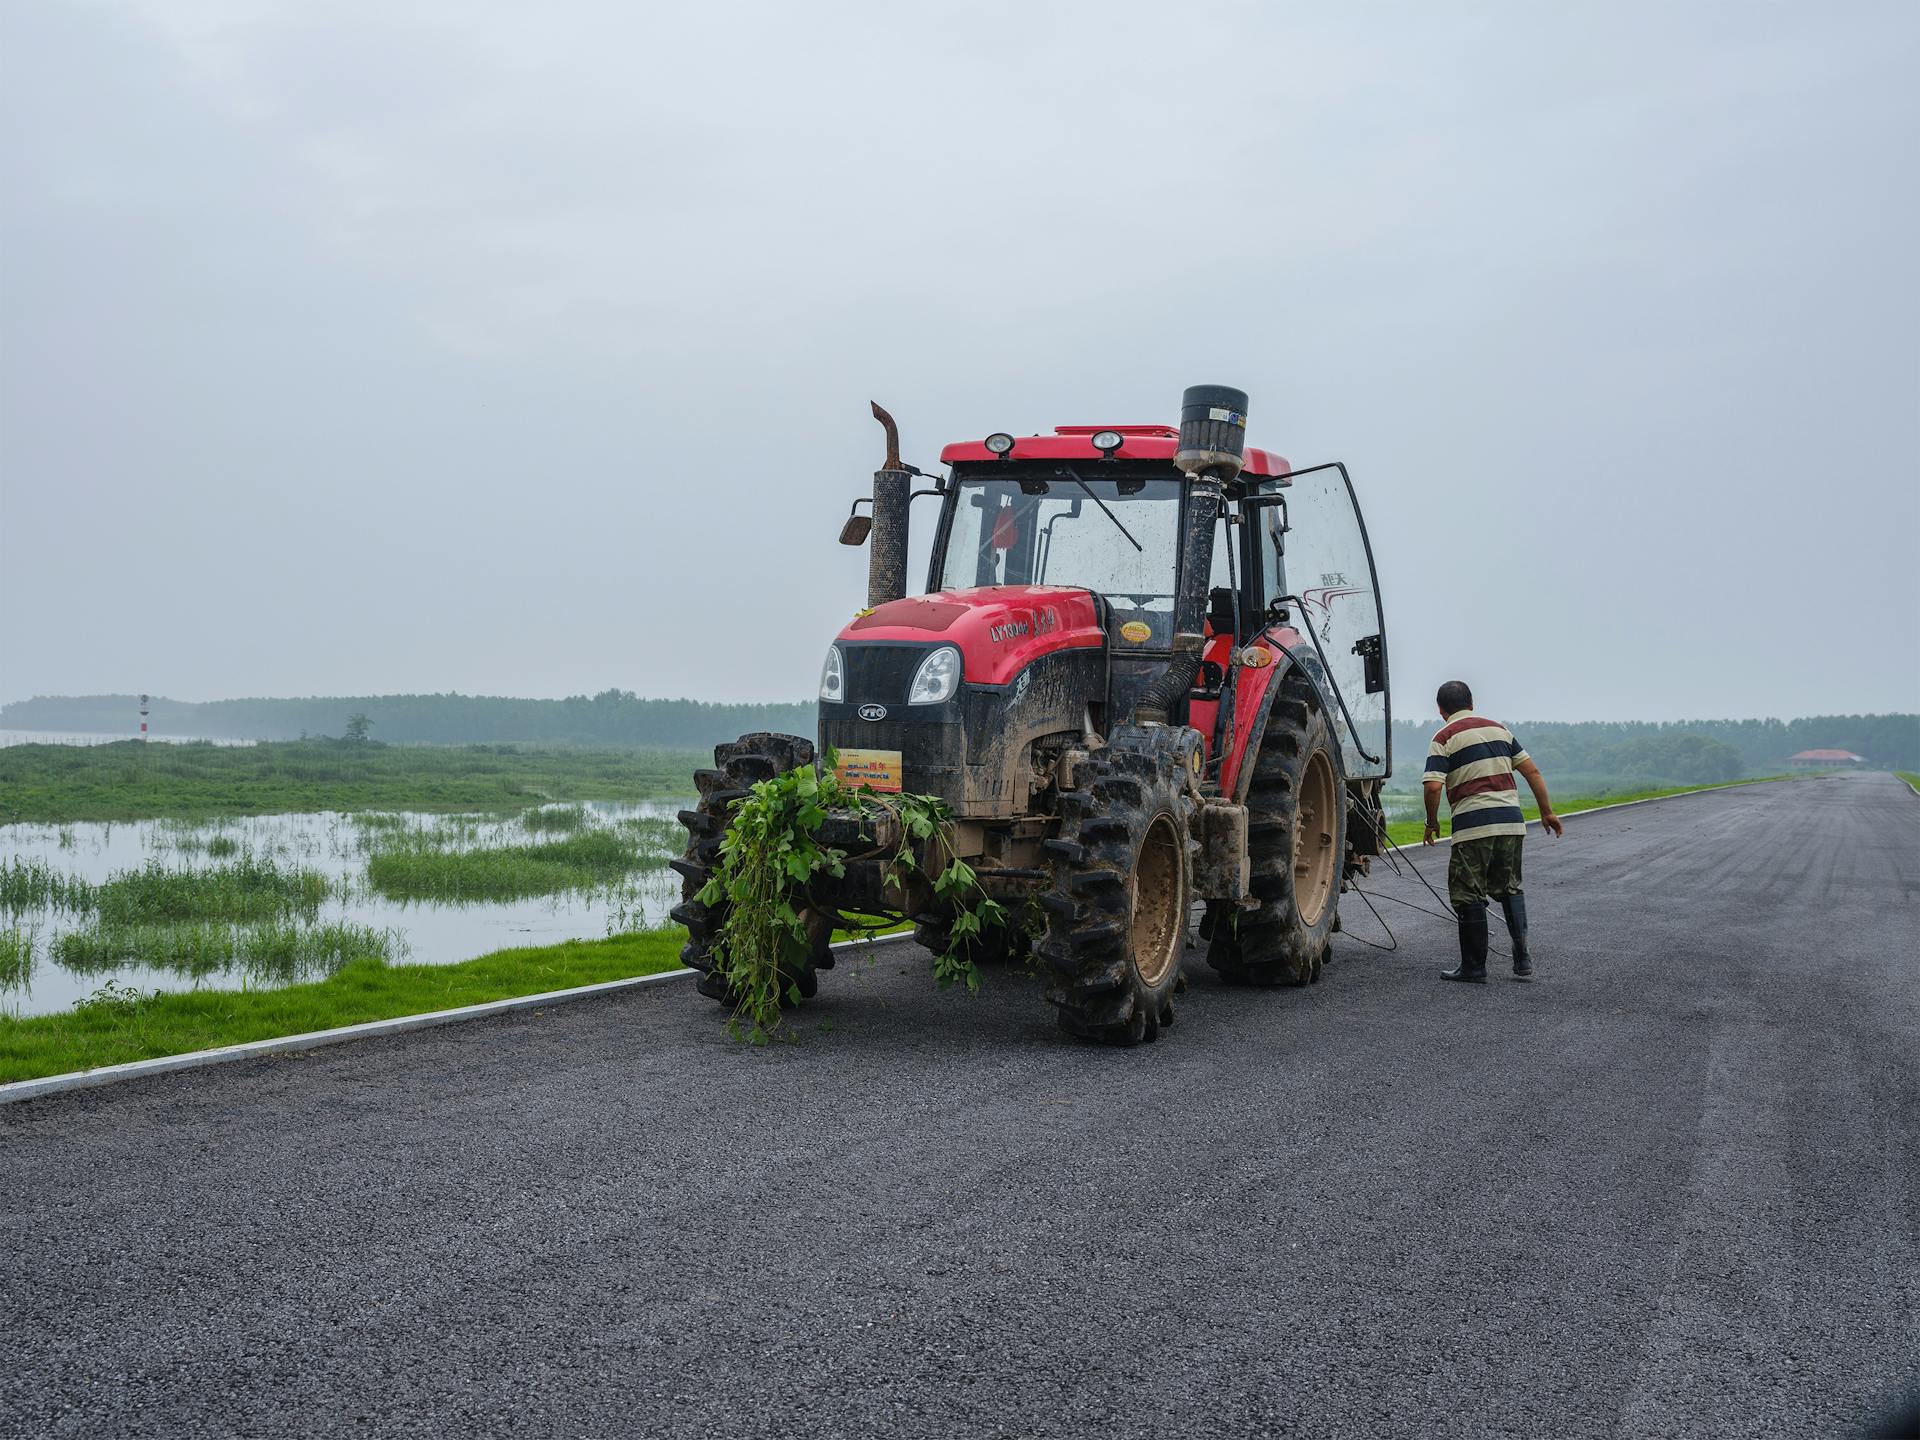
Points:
x=1213, y=431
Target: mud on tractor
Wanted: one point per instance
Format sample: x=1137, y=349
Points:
x=1150, y=670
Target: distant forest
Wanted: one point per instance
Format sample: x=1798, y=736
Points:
x=1687, y=751
x=613, y=717
x=1684, y=751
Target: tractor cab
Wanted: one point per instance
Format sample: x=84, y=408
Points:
x=1050, y=548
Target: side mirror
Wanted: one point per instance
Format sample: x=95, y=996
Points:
x=857, y=528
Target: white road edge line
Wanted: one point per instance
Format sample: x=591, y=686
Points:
x=314, y=1039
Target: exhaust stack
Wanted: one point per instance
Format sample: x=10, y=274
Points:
x=892, y=496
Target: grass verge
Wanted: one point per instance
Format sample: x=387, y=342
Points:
x=57, y=784
x=125, y=1027
x=1409, y=832
x=1911, y=778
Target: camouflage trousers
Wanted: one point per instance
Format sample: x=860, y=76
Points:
x=1484, y=869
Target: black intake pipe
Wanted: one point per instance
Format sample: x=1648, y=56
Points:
x=1165, y=690
x=1213, y=440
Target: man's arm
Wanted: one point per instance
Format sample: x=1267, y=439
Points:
x=1433, y=789
x=1537, y=782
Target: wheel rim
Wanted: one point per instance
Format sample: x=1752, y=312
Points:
x=1159, y=907
x=1313, y=831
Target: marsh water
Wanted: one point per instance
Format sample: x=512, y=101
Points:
x=336, y=846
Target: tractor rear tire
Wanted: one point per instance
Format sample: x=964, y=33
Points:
x=738, y=765
x=1296, y=842
x=1122, y=876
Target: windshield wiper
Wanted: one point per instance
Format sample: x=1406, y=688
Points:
x=1070, y=473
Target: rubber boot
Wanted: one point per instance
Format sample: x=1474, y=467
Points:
x=1515, y=909
x=1473, y=946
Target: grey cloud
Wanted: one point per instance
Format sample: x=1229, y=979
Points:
x=526, y=349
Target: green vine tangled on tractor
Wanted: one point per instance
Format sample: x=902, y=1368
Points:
x=771, y=853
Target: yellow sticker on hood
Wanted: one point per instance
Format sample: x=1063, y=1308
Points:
x=1137, y=631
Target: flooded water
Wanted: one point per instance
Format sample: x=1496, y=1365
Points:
x=1403, y=805
x=337, y=846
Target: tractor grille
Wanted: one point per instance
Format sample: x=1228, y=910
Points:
x=879, y=672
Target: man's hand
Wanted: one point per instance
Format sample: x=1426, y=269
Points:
x=1430, y=793
x=1550, y=823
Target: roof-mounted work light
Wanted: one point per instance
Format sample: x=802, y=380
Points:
x=1000, y=443
x=1107, y=441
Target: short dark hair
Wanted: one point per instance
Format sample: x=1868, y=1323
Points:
x=1454, y=695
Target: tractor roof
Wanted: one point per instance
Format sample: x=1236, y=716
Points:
x=1075, y=442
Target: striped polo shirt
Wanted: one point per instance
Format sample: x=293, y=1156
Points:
x=1474, y=758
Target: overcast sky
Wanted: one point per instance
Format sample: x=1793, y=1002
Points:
x=365, y=346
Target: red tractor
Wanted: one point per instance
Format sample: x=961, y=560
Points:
x=1150, y=670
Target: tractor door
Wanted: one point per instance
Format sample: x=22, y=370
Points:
x=1315, y=553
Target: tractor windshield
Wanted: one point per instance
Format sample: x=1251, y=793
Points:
x=1117, y=537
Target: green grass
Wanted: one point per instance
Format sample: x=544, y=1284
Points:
x=274, y=951
x=35, y=885
x=16, y=956
x=247, y=889
x=1409, y=832
x=1908, y=776
x=131, y=781
x=555, y=820
x=125, y=1027
x=417, y=868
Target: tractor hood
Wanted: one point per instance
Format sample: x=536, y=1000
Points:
x=1033, y=658
x=998, y=629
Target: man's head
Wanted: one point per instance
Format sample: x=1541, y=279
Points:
x=1454, y=695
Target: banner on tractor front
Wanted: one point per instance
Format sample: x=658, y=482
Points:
x=874, y=769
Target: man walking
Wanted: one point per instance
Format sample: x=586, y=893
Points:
x=1474, y=759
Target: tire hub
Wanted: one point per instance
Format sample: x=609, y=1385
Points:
x=1314, y=863
x=1158, y=893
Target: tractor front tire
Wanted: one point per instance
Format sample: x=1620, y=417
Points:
x=1122, y=876
x=738, y=765
x=1296, y=842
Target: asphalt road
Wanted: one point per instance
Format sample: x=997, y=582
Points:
x=1673, y=1188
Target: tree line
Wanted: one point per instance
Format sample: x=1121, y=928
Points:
x=1685, y=751
x=1688, y=751
x=611, y=718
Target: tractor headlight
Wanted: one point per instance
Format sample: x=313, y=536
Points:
x=833, y=676
x=937, y=678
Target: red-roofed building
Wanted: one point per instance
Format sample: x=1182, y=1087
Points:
x=1825, y=759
